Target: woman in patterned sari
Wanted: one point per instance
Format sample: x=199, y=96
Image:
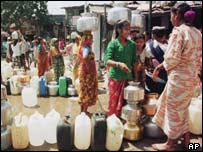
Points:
x=88, y=89
x=57, y=59
x=182, y=60
x=43, y=58
x=120, y=58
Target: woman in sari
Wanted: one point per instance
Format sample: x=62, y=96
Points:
x=88, y=88
x=182, y=60
x=57, y=59
x=76, y=61
x=120, y=59
x=43, y=58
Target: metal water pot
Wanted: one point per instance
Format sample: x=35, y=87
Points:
x=133, y=93
x=131, y=112
x=151, y=130
x=133, y=132
x=53, y=88
x=151, y=101
x=6, y=113
x=72, y=90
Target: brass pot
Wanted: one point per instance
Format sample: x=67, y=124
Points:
x=151, y=96
x=133, y=132
x=150, y=110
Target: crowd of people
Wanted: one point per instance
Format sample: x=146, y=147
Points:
x=169, y=67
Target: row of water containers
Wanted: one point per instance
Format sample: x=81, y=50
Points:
x=99, y=132
x=37, y=86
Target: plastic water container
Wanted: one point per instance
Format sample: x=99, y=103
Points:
x=64, y=134
x=82, y=132
x=42, y=86
x=29, y=97
x=88, y=22
x=118, y=13
x=36, y=129
x=51, y=120
x=195, y=116
x=62, y=86
x=115, y=132
x=19, y=132
x=99, y=128
x=15, y=89
x=34, y=83
x=6, y=71
x=138, y=20
x=33, y=72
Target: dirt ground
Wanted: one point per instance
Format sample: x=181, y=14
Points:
x=70, y=106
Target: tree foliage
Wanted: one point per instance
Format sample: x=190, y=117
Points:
x=16, y=11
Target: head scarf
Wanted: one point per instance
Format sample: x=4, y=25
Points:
x=54, y=42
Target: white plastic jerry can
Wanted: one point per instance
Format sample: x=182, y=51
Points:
x=34, y=83
x=115, y=132
x=50, y=123
x=195, y=116
x=19, y=132
x=29, y=97
x=36, y=129
x=33, y=71
x=7, y=71
x=15, y=90
x=82, y=132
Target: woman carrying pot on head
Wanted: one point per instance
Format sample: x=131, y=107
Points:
x=57, y=59
x=182, y=60
x=121, y=59
x=88, y=88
